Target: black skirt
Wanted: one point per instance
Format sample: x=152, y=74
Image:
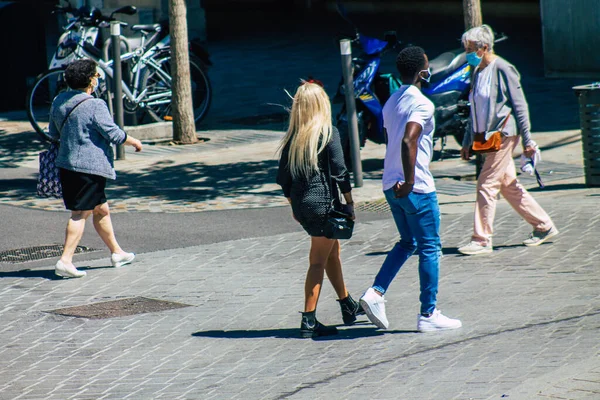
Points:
x=82, y=192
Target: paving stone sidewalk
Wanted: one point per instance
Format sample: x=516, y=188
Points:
x=531, y=320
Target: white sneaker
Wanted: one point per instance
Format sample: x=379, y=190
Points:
x=68, y=271
x=475, y=248
x=536, y=238
x=118, y=260
x=374, y=306
x=436, y=322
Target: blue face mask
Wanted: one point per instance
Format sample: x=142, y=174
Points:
x=473, y=59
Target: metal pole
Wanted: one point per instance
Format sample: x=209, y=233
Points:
x=346, y=51
x=115, y=36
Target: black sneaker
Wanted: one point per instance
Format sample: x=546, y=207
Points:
x=350, y=309
x=310, y=327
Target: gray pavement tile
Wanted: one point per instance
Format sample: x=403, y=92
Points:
x=527, y=313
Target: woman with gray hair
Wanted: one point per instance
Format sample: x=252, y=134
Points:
x=499, y=112
x=86, y=131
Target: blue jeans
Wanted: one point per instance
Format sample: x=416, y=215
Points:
x=417, y=218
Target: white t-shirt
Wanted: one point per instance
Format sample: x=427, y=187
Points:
x=480, y=97
x=408, y=105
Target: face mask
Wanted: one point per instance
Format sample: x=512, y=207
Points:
x=95, y=86
x=473, y=59
x=428, y=70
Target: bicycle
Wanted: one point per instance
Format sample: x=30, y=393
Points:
x=149, y=85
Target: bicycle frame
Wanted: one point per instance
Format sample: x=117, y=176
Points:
x=134, y=97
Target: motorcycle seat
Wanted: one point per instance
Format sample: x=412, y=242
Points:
x=147, y=28
x=445, y=64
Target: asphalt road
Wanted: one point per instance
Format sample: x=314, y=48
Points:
x=145, y=232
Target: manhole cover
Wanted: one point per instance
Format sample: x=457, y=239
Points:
x=118, y=308
x=38, y=253
x=378, y=206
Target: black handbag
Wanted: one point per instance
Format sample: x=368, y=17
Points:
x=339, y=224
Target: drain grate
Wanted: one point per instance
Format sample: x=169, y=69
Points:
x=38, y=253
x=377, y=206
x=119, y=308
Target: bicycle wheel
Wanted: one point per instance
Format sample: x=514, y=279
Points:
x=159, y=88
x=47, y=86
x=39, y=99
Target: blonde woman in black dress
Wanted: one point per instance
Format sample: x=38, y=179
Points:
x=310, y=148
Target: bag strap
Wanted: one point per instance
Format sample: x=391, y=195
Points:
x=70, y=112
x=333, y=188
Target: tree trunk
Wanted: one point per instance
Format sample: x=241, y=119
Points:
x=472, y=9
x=184, y=126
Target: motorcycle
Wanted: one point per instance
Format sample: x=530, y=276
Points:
x=448, y=90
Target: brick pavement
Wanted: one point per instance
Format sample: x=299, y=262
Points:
x=531, y=320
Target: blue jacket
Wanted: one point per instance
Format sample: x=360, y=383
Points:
x=87, y=135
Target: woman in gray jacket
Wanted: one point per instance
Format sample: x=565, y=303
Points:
x=86, y=131
x=498, y=104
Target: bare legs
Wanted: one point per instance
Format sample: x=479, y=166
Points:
x=103, y=225
x=73, y=234
x=76, y=226
x=324, y=258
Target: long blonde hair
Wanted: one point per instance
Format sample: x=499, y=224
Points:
x=309, y=130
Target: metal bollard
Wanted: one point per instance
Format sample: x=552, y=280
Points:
x=115, y=36
x=346, y=52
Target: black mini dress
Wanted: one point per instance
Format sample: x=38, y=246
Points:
x=312, y=197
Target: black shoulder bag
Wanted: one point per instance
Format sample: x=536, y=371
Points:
x=339, y=224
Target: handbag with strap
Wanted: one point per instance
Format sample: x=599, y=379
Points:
x=48, y=183
x=481, y=145
x=339, y=224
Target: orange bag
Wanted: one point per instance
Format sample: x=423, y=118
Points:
x=480, y=145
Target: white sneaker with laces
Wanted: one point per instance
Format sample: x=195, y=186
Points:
x=68, y=271
x=374, y=306
x=118, y=260
x=536, y=238
x=475, y=248
x=436, y=322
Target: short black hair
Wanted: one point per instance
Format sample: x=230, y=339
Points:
x=79, y=73
x=410, y=61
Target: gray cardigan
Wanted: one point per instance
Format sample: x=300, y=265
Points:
x=506, y=98
x=87, y=136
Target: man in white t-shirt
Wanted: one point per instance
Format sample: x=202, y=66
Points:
x=410, y=191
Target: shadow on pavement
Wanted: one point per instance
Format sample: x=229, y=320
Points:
x=560, y=186
x=445, y=251
x=43, y=273
x=196, y=181
x=28, y=273
x=377, y=253
x=180, y=182
x=16, y=147
x=288, y=333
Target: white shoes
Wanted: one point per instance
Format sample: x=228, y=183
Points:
x=118, y=260
x=475, y=248
x=436, y=322
x=374, y=306
x=536, y=238
x=68, y=271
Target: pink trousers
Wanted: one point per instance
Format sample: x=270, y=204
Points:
x=499, y=174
